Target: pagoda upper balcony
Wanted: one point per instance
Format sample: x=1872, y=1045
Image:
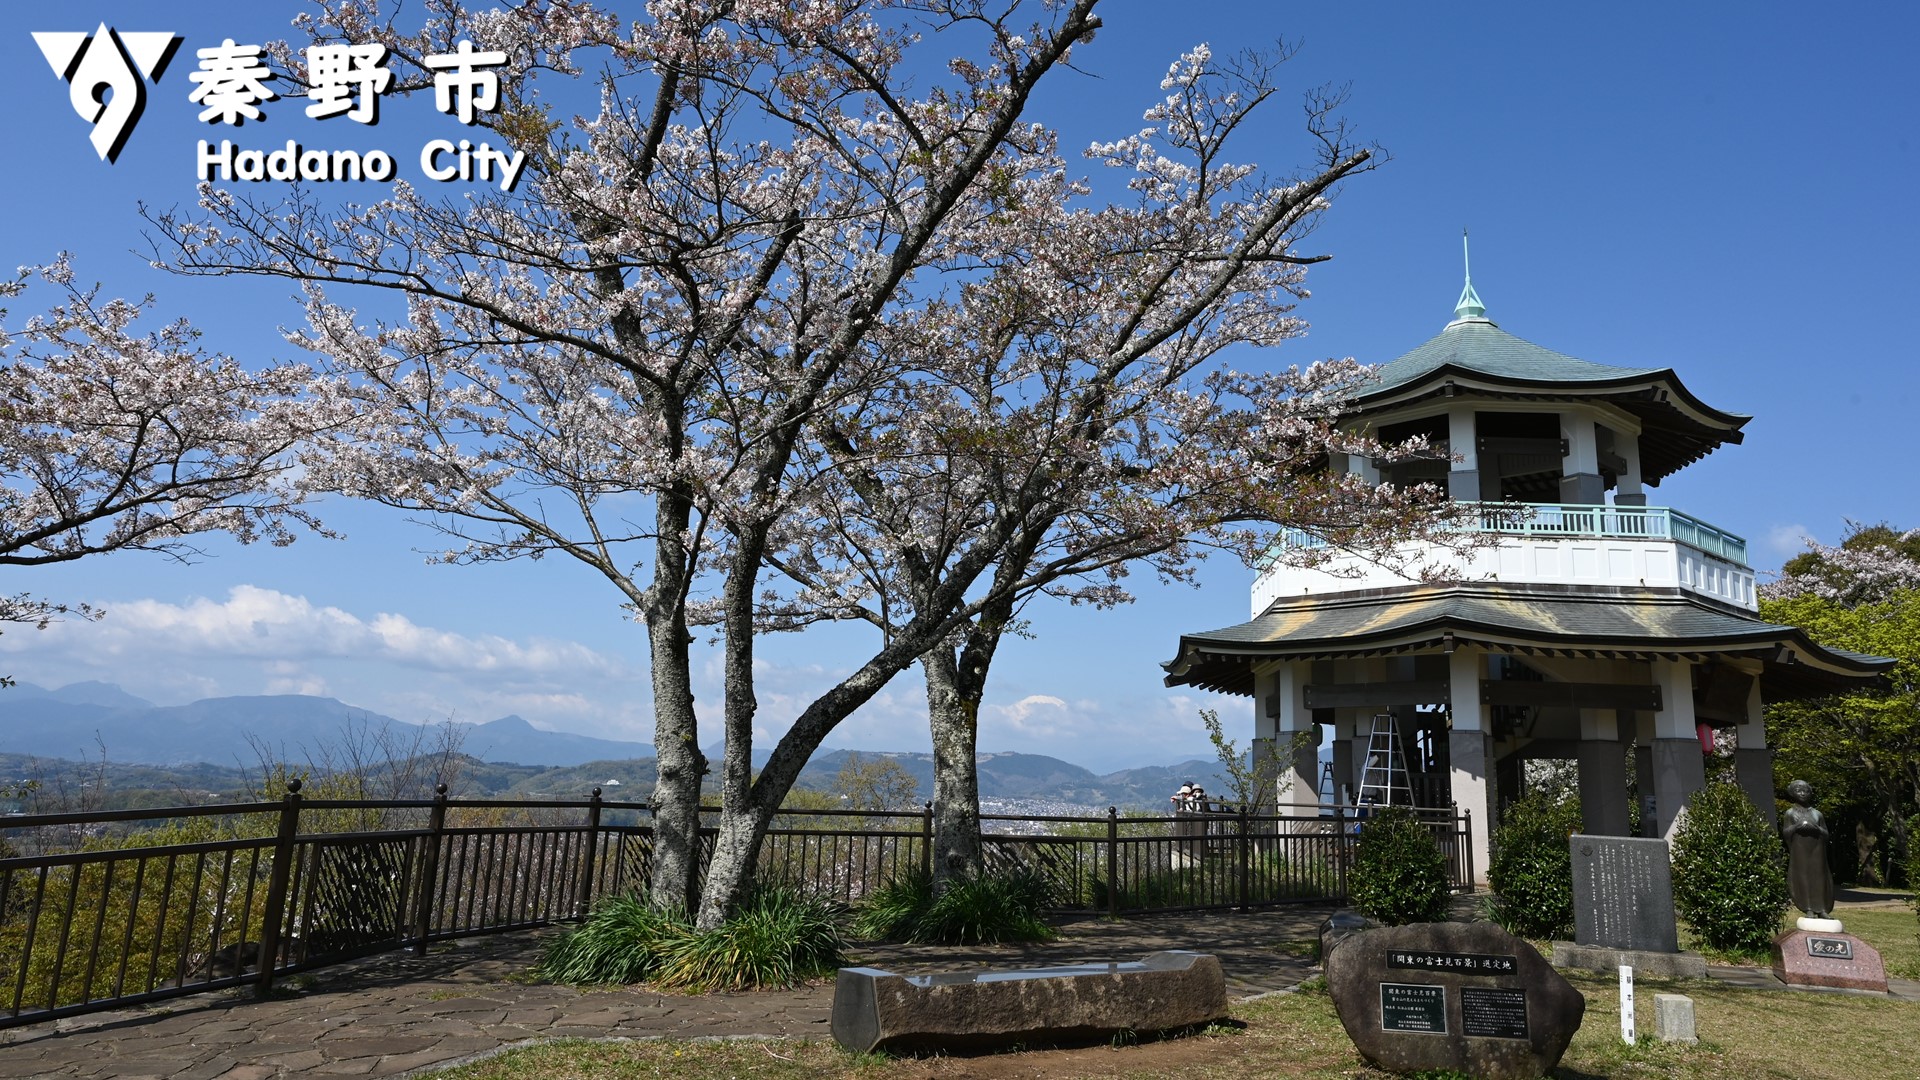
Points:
x=1548, y=543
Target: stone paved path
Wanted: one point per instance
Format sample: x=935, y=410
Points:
x=398, y=1014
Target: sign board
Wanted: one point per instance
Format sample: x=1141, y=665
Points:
x=1623, y=893
x=1411, y=1007
x=1493, y=1012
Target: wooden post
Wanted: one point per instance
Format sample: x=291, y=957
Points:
x=283, y=855
x=1113, y=862
x=428, y=891
x=926, y=840
x=1246, y=858
x=583, y=898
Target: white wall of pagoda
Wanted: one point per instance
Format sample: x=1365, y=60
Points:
x=1619, y=562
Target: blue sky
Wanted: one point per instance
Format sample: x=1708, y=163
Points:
x=1724, y=189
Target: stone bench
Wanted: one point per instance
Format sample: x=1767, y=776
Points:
x=881, y=1010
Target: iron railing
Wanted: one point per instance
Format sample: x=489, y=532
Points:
x=110, y=909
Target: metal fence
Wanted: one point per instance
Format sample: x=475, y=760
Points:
x=110, y=909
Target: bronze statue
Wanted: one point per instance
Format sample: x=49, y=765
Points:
x=1805, y=832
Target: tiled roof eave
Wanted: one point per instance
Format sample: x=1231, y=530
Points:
x=1435, y=381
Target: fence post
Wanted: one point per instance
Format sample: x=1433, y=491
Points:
x=1113, y=863
x=926, y=840
x=1465, y=841
x=429, y=871
x=1340, y=849
x=283, y=856
x=585, y=894
x=1246, y=858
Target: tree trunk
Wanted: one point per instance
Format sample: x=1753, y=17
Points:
x=743, y=824
x=676, y=792
x=956, y=685
x=954, y=719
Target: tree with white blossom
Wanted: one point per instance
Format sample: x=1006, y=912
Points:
x=117, y=440
x=1096, y=416
x=1862, y=750
x=772, y=272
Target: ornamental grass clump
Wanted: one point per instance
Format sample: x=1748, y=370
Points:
x=623, y=940
x=1399, y=875
x=1729, y=872
x=1531, y=868
x=779, y=936
x=975, y=910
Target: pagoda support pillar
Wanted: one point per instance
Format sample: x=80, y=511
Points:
x=1603, y=775
x=1343, y=777
x=1753, y=762
x=1463, y=480
x=1468, y=753
x=1630, y=492
x=1580, y=480
x=1297, y=785
x=1678, y=769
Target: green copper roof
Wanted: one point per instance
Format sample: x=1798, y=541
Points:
x=1578, y=620
x=1479, y=346
x=1472, y=358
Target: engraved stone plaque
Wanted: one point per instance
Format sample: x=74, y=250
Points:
x=1831, y=947
x=1623, y=893
x=1493, y=1013
x=1409, y=1007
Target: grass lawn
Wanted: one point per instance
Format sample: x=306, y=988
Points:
x=1745, y=1035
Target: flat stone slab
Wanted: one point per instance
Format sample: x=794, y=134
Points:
x=1842, y=961
x=1622, y=893
x=1469, y=997
x=1665, y=965
x=1167, y=991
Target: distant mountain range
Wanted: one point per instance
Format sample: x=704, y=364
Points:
x=87, y=719
x=83, y=721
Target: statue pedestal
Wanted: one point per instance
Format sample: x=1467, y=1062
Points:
x=1804, y=958
x=1818, y=926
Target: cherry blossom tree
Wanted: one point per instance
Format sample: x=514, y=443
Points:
x=1077, y=397
x=787, y=260
x=1861, y=749
x=114, y=440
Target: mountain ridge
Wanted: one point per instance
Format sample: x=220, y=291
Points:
x=76, y=723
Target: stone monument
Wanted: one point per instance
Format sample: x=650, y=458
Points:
x=996, y=1009
x=1463, y=996
x=1623, y=910
x=1818, y=951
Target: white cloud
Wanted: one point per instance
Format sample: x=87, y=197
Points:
x=1783, y=542
x=264, y=624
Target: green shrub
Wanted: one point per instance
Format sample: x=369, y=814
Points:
x=778, y=937
x=991, y=908
x=1399, y=875
x=1531, y=868
x=621, y=941
x=1729, y=871
x=890, y=911
x=1913, y=863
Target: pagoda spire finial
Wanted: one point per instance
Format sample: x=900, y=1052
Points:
x=1469, y=306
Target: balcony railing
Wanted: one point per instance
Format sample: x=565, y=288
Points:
x=1639, y=522
x=1562, y=521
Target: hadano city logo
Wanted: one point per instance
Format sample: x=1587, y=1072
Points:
x=103, y=72
x=105, y=69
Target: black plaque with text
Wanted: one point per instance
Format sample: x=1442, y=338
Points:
x=1458, y=963
x=1830, y=948
x=1410, y=1007
x=1491, y=1013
